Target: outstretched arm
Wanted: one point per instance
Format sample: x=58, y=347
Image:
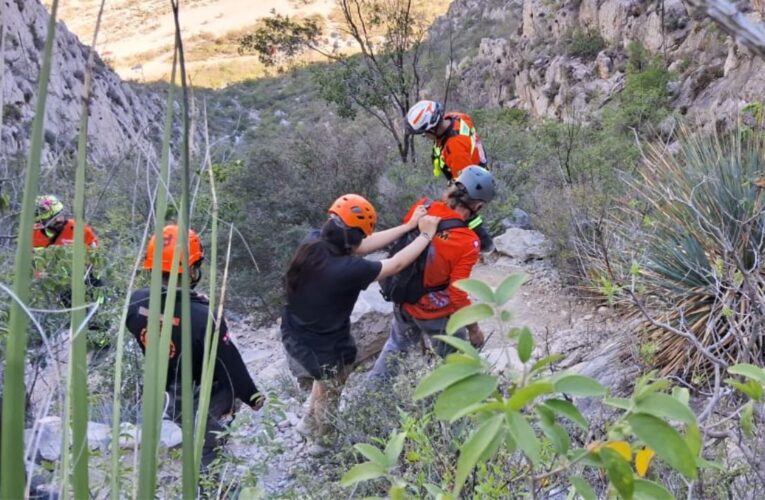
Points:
x=379, y=240
x=428, y=226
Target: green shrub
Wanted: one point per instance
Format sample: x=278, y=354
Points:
x=520, y=432
x=689, y=248
x=584, y=43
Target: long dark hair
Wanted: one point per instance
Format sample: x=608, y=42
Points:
x=335, y=238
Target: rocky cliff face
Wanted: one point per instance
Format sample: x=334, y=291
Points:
x=526, y=58
x=121, y=119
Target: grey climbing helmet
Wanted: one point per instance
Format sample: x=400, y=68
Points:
x=478, y=182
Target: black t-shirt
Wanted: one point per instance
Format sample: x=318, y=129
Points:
x=229, y=368
x=316, y=321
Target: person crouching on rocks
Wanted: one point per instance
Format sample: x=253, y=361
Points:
x=323, y=281
x=231, y=380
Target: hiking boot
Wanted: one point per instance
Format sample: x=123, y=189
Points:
x=307, y=427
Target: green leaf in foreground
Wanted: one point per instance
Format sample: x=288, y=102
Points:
x=558, y=436
x=525, y=344
x=583, y=488
x=474, y=447
x=749, y=371
x=619, y=472
x=362, y=472
x=568, y=410
x=579, y=385
x=478, y=288
x=648, y=490
x=524, y=395
x=467, y=316
x=523, y=434
x=461, y=345
x=373, y=454
x=665, y=441
x=751, y=388
x=665, y=406
x=442, y=377
x=453, y=402
x=394, y=447
x=508, y=287
x=747, y=419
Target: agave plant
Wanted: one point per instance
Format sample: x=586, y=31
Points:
x=689, y=252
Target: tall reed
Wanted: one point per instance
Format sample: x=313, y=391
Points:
x=77, y=404
x=14, y=406
x=187, y=393
x=153, y=391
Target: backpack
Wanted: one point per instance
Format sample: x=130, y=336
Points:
x=408, y=286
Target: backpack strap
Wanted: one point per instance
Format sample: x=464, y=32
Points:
x=446, y=224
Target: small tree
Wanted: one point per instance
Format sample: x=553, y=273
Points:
x=382, y=81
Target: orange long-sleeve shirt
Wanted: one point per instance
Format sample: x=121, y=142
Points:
x=451, y=257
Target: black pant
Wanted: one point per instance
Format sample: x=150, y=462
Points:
x=221, y=405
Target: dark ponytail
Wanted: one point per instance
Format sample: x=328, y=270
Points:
x=311, y=256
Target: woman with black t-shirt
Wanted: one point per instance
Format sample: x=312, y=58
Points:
x=324, y=280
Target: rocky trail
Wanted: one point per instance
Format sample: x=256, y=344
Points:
x=268, y=443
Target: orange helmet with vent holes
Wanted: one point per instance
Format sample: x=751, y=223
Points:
x=169, y=237
x=355, y=211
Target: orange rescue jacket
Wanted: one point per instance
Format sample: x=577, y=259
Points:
x=458, y=148
x=65, y=237
x=451, y=257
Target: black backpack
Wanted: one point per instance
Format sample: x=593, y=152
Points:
x=408, y=286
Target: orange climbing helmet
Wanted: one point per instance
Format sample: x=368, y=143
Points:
x=169, y=237
x=355, y=211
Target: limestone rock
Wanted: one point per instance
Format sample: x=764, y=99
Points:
x=370, y=322
x=47, y=434
x=604, y=64
x=99, y=435
x=121, y=117
x=518, y=219
x=523, y=244
x=170, y=434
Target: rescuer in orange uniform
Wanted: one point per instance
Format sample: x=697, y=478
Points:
x=52, y=228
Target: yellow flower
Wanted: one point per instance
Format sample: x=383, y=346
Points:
x=643, y=460
x=622, y=448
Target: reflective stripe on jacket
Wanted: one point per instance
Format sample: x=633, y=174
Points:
x=460, y=147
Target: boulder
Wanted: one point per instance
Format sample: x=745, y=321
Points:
x=523, y=244
x=370, y=322
x=604, y=65
x=47, y=434
x=170, y=434
x=518, y=219
x=99, y=436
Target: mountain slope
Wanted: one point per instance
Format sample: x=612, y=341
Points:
x=566, y=59
x=121, y=119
